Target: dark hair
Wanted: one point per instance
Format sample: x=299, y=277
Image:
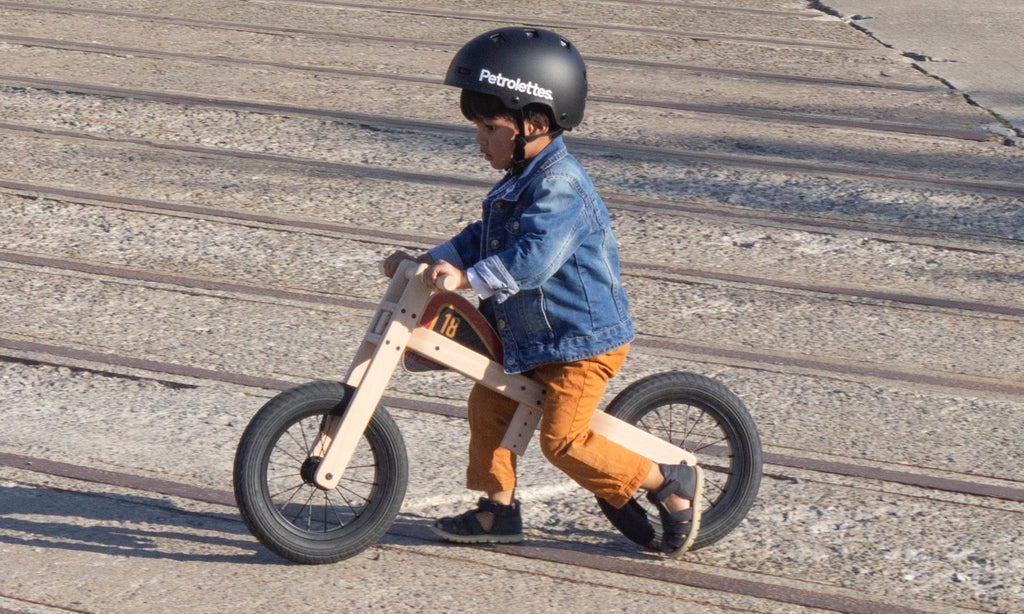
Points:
x=478, y=106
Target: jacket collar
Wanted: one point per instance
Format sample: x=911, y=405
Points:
x=511, y=186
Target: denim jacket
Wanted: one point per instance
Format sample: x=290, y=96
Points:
x=544, y=246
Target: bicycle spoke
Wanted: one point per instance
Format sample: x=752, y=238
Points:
x=320, y=511
x=303, y=507
x=281, y=463
x=295, y=440
x=295, y=490
x=334, y=508
x=341, y=493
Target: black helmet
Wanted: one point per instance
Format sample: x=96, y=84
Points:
x=523, y=66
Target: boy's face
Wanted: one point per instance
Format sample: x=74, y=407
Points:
x=497, y=140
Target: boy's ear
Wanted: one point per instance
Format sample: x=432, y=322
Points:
x=538, y=124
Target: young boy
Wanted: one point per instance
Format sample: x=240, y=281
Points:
x=545, y=264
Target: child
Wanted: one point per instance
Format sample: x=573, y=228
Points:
x=545, y=264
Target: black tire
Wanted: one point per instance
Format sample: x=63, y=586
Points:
x=272, y=478
x=701, y=415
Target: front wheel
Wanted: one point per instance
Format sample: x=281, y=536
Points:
x=273, y=478
x=701, y=415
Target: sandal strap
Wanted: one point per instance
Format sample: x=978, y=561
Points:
x=487, y=505
x=679, y=480
x=463, y=524
x=507, y=520
x=682, y=517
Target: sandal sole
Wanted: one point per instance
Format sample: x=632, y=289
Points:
x=485, y=538
x=697, y=507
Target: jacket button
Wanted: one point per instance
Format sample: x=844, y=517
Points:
x=515, y=225
x=501, y=323
x=495, y=243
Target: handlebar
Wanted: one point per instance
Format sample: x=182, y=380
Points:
x=444, y=282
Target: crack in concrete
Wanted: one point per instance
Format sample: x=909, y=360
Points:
x=1011, y=136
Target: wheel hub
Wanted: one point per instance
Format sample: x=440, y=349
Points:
x=308, y=469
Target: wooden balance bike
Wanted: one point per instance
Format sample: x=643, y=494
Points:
x=321, y=470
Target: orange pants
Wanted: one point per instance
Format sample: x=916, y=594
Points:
x=574, y=390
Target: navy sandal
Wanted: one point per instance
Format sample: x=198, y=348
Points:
x=466, y=529
x=679, y=529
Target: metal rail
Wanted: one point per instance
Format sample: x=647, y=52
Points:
x=758, y=586
x=635, y=269
x=659, y=3
x=496, y=18
x=549, y=22
x=334, y=34
x=752, y=113
x=599, y=146
x=702, y=352
x=956, y=240
x=767, y=115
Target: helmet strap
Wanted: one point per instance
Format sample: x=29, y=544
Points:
x=519, y=153
x=519, y=161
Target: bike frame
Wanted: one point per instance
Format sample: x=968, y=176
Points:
x=395, y=329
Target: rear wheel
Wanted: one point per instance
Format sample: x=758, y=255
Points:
x=701, y=415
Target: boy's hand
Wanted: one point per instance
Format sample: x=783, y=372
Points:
x=446, y=269
x=389, y=266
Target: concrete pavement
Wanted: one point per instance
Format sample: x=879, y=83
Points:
x=977, y=47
